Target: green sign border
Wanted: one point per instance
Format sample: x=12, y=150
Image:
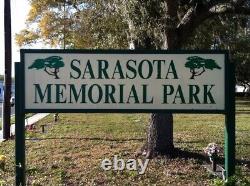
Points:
x=58, y=51
x=229, y=111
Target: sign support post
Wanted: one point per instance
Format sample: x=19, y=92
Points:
x=230, y=124
x=19, y=127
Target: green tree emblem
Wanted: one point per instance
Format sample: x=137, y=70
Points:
x=50, y=65
x=199, y=65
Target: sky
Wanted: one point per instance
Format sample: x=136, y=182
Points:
x=19, y=11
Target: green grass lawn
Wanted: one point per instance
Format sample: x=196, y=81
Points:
x=70, y=151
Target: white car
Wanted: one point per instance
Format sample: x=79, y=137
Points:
x=12, y=101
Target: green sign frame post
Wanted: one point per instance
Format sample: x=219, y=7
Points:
x=19, y=126
x=229, y=136
x=20, y=109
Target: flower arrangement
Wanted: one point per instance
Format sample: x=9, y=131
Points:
x=212, y=150
x=2, y=161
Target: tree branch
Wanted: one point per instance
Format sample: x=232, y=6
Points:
x=229, y=9
x=193, y=17
x=199, y=13
x=170, y=27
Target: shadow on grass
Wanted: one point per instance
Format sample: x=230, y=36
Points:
x=242, y=111
x=178, y=153
x=221, y=144
x=245, y=102
x=86, y=138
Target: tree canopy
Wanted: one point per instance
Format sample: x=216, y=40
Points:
x=74, y=24
x=139, y=24
x=120, y=23
x=116, y=23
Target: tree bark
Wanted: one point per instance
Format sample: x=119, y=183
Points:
x=160, y=135
x=160, y=130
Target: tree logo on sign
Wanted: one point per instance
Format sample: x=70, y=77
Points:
x=50, y=65
x=198, y=65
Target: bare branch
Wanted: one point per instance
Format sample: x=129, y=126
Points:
x=198, y=14
x=193, y=17
x=229, y=9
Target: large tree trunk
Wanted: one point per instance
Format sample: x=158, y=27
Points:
x=160, y=131
x=160, y=135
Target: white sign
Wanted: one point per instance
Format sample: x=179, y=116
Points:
x=129, y=80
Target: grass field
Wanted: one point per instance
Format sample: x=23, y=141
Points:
x=70, y=151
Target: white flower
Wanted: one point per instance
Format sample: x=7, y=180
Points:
x=212, y=149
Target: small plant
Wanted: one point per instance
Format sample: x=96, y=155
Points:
x=212, y=150
x=2, y=161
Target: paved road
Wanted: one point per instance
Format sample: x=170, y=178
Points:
x=12, y=110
